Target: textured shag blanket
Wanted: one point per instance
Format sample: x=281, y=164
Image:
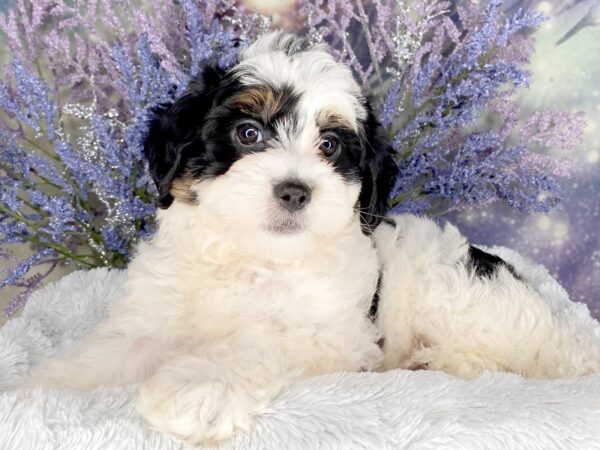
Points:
x=394, y=410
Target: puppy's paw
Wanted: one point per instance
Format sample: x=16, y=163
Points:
x=462, y=364
x=196, y=413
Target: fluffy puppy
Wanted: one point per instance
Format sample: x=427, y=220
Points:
x=270, y=177
x=446, y=305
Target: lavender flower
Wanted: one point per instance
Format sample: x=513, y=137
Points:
x=23, y=267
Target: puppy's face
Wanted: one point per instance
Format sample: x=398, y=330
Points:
x=280, y=150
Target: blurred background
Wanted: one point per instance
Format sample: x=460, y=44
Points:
x=566, y=74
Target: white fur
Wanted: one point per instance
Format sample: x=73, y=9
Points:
x=215, y=333
x=435, y=313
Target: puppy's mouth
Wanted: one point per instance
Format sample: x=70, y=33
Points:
x=285, y=226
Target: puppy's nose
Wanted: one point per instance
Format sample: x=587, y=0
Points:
x=292, y=195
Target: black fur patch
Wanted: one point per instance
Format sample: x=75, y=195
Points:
x=374, y=309
x=374, y=306
x=389, y=222
x=174, y=132
x=378, y=172
x=485, y=265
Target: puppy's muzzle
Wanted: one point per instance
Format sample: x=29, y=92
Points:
x=292, y=195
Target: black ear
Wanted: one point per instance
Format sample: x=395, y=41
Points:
x=378, y=171
x=174, y=126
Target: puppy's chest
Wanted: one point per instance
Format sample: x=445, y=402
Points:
x=305, y=295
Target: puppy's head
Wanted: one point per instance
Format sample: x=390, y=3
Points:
x=281, y=150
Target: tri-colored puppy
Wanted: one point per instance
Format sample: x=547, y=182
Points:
x=272, y=176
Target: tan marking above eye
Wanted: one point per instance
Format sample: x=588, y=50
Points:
x=330, y=119
x=261, y=102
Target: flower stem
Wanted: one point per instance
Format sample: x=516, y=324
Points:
x=15, y=216
x=58, y=248
x=62, y=250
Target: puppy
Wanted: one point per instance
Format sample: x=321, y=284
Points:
x=270, y=176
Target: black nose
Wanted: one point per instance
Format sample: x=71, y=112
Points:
x=292, y=195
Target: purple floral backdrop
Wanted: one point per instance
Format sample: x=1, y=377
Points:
x=468, y=133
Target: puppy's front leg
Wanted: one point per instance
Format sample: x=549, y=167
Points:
x=108, y=356
x=207, y=396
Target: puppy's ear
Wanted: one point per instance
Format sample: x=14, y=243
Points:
x=378, y=171
x=176, y=125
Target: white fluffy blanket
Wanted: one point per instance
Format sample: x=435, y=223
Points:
x=394, y=410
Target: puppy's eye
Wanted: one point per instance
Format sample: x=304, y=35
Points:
x=248, y=134
x=329, y=146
